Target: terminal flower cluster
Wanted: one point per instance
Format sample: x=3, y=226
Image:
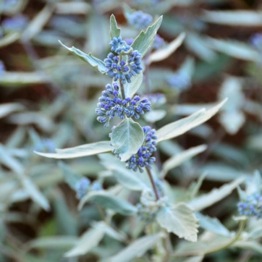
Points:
x=143, y=158
x=111, y=105
x=139, y=19
x=123, y=62
x=251, y=206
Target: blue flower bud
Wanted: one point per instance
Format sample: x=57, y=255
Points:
x=139, y=19
x=81, y=187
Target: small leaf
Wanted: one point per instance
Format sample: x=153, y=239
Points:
x=79, y=151
x=179, y=220
x=214, y=196
x=145, y=39
x=6, y=109
x=92, y=60
x=179, y=159
x=181, y=126
x=136, y=249
x=154, y=115
x=167, y=50
x=88, y=241
x=131, y=88
x=107, y=200
x=127, y=138
x=114, y=29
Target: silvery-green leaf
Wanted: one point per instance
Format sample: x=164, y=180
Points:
x=127, y=138
x=198, y=45
x=71, y=178
x=133, y=87
x=92, y=60
x=79, y=151
x=234, y=48
x=249, y=245
x=180, y=158
x=8, y=108
x=87, y=241
x=136, y=249
x=214, y=195
x=167, y=50
x=233, y=18
x=114, y=29
x=179, y=220
x=183, y=125
x=154, y=115
x=213, y=225
x=109, y=201
x=145, y=39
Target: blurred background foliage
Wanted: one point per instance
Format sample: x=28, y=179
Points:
x=48, y=100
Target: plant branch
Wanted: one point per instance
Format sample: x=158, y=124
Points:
x=152, y=183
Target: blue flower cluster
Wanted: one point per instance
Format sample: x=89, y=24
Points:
x=123, y=62
x=139, y=19
x=143, y=158
x=111, y=105
x=84, y=185
x=251, y=206
x=179, y=81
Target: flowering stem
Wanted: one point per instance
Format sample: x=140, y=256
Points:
x=122, y=90
x=152, y=183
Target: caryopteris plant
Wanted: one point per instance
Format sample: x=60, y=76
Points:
x=130, y=152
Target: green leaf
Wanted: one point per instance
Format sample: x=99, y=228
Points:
x=136, y=249
x=181, y=126
x=145, y=39
x=167, y=50
x=88, y=241
x=8, y=108
x=127, y=138
x=92, y=60
x=79, y=151
x=114, y=29
x=107, y=200
x=214, y=196
x=212, y=225
x=70, y=176
x=155, y=115
x=131, y=88
x=179, y=220
x=180, y=158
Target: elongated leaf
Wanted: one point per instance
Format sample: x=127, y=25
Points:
x=179, y=220
x=79, y=151
x=234, y=48
x=214, y=196
x=136, y=249
x=8, y=108
x=183, y=125
x=92, y=60
x=212, y=225
x=88, y=241
x=233, y=18
x=182, y=157
x=166, y=51
x=114, y=29
x=145, y=39
x=127, y=138
x=131, y=88
x=107, y=200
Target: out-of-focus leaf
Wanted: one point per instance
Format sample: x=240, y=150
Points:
x=233, y=18
x=212, y=225
x=92, y=60
x=88, y=241
x=234, y=48
x=198, y=45
x=9, y=39
x=183, y=125
x=145, y=39
x=127, y=138
x=131, y=88
x=6, y=109
x=154, y=115
x=73, y=8
x=166, y=51
x=136, y=249
x=179, y=220
x=79, y=151
x=214, y=195
x=182, y=157
x=114, y=29
x=251, y=245
x=107, y=200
